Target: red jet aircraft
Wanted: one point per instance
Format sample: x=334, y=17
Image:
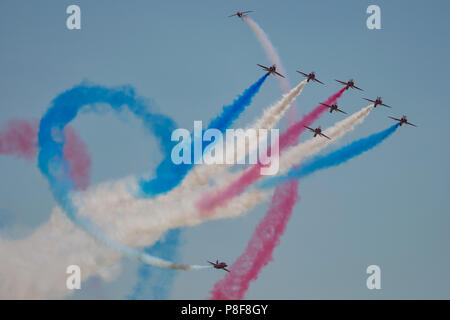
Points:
x=403, y=120
x=271, y=69
x=310, y=76
x=219, y=265
x=317, y=131
x=240, y=14
x=349, y=84
x=333, y=107
x=378, y=101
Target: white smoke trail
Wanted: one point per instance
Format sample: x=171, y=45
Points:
x=35, y=266
x=201, y=175
x=294, y=155
x=270, y=51
x=272, y=115
x=98, y=234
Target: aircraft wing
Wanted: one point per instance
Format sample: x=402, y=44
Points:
x=309, y=128
x=357, y=88
x=226, y=269
x=324, y=104
x=265, y=68
x=385, y=105
x=373, y=101
x=244, y=12
x=212, y=263
x=318, y=81
x=278, y=74
x=344, y=83
x=395, y=118
x=410, y=124
x=341, y=111
x=303, y=74
x=325, y=136
x=232, y=15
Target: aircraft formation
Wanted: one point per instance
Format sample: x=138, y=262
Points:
x=350, y=84
x=334, y=107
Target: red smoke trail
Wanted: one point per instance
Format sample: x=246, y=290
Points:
x=20, y=138
x=288, y=138
x=260, y=247
x=75, y=152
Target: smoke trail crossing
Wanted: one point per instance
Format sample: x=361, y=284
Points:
x=334, y=158
x=288, y=138
x=294, y=155
x=271, y=116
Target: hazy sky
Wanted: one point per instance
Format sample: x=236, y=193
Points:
x=389, y=207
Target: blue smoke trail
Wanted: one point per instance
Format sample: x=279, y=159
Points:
x=332, y=159
x=170, y=175
x=63, y=110
x=162, y=279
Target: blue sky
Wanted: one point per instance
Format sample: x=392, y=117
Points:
x=389, y=207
